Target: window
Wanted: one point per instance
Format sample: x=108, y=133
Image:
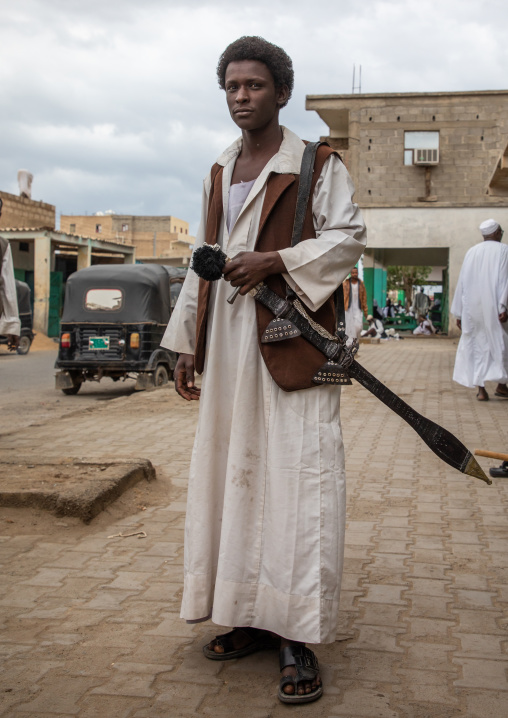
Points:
x=419, y=141
x=125, y=227
x=98, y=228
x=103, y=300
x=72, y=229
x=24, y=247
x=185, y=231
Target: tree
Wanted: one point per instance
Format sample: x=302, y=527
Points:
x=399, y=277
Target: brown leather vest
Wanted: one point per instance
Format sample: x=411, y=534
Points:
x=291, y=363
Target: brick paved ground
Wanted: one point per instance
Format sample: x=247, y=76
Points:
x=90, y=624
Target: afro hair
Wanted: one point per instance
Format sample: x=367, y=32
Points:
x=257, y=48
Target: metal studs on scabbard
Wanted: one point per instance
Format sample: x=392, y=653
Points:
x=335, y=372
x=278, y=330
x=331, y=373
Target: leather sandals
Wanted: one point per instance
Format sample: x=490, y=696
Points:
x=258, y=641
x=307, y=668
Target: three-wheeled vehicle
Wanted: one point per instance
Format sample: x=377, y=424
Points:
x=113, y=321
x=26, y=336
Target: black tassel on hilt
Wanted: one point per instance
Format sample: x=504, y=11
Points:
x=208, y=262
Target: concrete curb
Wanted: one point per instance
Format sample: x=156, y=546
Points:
x=70, y=487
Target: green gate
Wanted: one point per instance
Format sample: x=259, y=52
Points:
x=56, y=288
x=56, y=293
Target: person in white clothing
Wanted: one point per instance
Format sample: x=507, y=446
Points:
x=10, y=324
x=425, y=327
x=421, y=303
x=480, y=305
x=376, y=328
x=264, y=536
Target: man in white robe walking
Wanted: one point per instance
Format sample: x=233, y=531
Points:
x=264, y=534
x=480, y=305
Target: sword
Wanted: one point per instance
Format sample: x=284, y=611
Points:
x=341, y=364
x=291, y=320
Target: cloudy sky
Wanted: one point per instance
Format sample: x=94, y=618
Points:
x=114, y=104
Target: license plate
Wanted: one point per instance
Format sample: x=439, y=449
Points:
x=98, y=343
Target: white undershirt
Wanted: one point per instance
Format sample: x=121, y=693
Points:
x=238, y=193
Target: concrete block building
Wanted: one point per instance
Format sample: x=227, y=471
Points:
x=23, y=212
x=428, y=169
x=164, y=239
x=44, y=257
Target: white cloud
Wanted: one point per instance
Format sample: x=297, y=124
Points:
x=115, y=103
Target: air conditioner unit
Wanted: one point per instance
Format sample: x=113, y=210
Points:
x=426, y=157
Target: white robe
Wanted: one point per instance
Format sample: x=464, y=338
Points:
x=264, y=533
x=376, y=324
x=426, y=328
x=481, y=295
x=354, y=315
x=9, y=319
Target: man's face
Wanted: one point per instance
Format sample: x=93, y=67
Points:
x=354, y=274
x=252, y=98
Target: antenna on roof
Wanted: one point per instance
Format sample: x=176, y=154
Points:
x=358, y=87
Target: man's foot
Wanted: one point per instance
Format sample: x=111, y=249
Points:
x=502, y=391
x=300, y=680
x=482, y=394
x=240, y=642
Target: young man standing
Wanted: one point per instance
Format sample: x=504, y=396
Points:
x=264, y=531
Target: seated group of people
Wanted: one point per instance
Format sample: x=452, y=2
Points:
x=376, y=321
x=355, y=304
x=390, y=310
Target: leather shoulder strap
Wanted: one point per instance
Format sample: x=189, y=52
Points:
x=304, y=185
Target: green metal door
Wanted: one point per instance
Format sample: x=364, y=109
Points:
x=445, y=302
x=55, y=303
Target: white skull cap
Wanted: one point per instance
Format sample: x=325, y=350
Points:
x=488, y=227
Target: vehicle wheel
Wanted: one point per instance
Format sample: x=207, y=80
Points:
x=161, y=376
x=24, y=345
x=72, y=389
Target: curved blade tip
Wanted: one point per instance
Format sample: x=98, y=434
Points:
x=474, y=469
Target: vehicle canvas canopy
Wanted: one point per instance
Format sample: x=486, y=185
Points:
x=23, y=297
x=129, y=293
x=177, y=276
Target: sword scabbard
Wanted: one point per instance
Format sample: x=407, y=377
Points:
x=341, y=365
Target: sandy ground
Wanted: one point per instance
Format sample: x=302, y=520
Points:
x=19, y=521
